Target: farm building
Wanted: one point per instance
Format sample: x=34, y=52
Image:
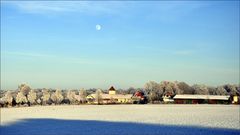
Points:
x=139, y=97
x=112, y=97
x=168, y=97
x=200, y=99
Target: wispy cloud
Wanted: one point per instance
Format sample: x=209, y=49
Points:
x=49, y=57
x=163, y=9
x=46, y=7
x=170, y=11
x=27, y=54
x=183, y=52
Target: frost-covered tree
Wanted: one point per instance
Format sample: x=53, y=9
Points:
x=98, y=96
x=200, y=89
x=2, y=102
x=71, y=96
x=24, y=88
x=9, y=98
x=231, y=89
x=153, y=90
x=170, y=88
x=57, y=97
x=65, y=98
x=82, y=96
x=32, y=97
x=39, y=96
x=45, y=97
x=212, y=90
x=220, y=91
x=185, y=88
x=21, y=98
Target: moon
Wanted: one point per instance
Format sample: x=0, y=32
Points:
x=98, y=27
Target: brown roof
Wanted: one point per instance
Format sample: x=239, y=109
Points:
x=112, y=88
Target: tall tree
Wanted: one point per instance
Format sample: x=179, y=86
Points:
x=21, y=98
x=32, y=97
x=98, y=96
x=8, y=98
x=82, y=96
x=185, y=88
x=24, y=88
x=45, y=97
x=71, y=96
x=57, y=97
x=170, y=88
x=153, y=90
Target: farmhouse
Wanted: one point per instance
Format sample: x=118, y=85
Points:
x=200, y=99
x=139, y=97
x=112, y=97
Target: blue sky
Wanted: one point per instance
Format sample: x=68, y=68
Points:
x=56, y=44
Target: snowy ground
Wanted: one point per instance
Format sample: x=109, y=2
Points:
x=121, y=119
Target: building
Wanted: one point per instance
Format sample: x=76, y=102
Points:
x=168, y=97
x=112, y=91
x=139, y=97
x=200, y=99
x=111, y=97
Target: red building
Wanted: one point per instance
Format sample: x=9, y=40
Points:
x=201, y=99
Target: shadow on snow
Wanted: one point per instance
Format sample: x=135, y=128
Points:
x=92, y=127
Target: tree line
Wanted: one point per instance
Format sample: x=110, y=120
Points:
x=25, y=96
x=156, y=91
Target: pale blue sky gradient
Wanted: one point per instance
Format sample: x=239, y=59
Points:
x=56, y=44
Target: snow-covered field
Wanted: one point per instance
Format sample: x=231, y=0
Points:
x=121, y=119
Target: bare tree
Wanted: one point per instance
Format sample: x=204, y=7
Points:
x=200, y=89
x=57, y=97
x=24, y=88
x=32, y=97
x=21, y=98
x=98, y=96
x=45, y=97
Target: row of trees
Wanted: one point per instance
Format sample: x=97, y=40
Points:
x=25, y=96
x=156, y=91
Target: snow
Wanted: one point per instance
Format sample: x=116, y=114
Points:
x=121, y=119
